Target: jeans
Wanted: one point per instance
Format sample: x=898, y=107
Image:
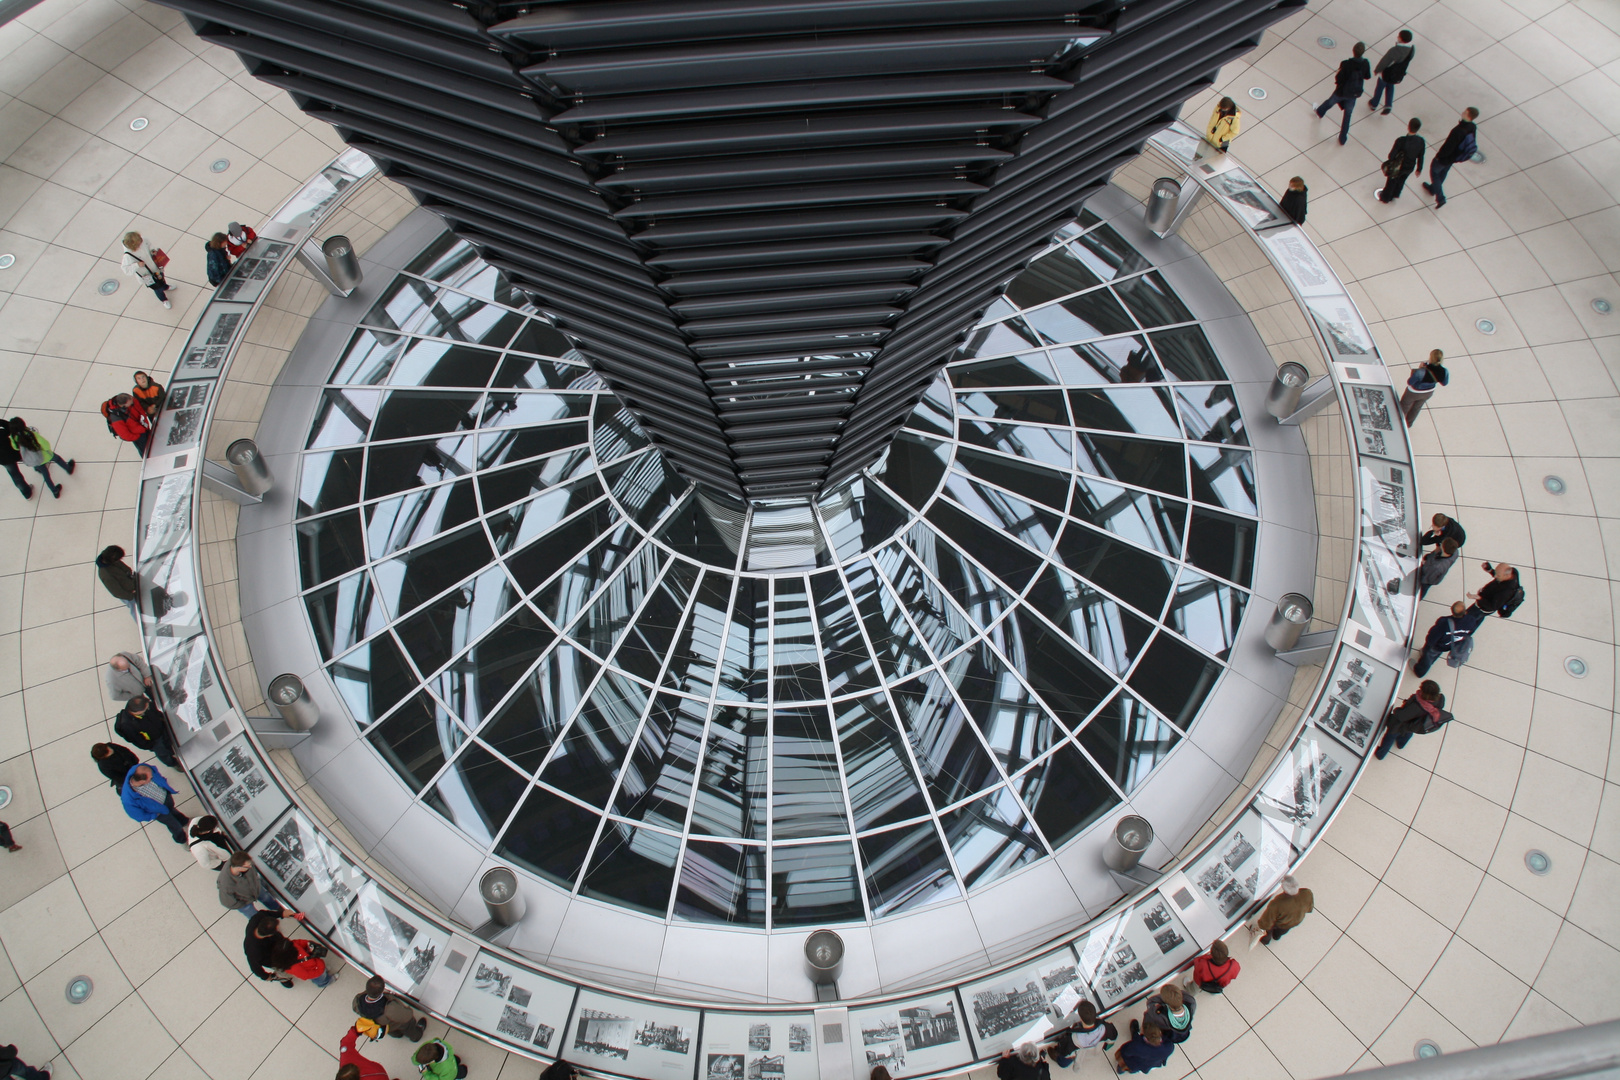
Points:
x=1397, y=739
x=174, y=821
x=1437, y=177
x=1392, y=191
x=45, y=475
x=267, y=898
x=1345, y=102
x=1385, y=88
x=27, y=1072
x=160, y=288
x=141, y=441
x=1425, y=662
x=163, y=750
x=17, y=478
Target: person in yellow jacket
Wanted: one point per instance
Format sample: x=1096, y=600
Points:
x=1223, y=124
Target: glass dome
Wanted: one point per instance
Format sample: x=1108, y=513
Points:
x=779, y=714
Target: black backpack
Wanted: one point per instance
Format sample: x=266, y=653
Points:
x=112, y=412
x=1512, y=603
x=1350, y=82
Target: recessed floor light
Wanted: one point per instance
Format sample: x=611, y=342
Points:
x=7, y=261
x=1326, y=42
x=1258, y=93
x=79, y=989
x=1485, y=326
x=5, y=797
x=139, y=123
x=1426, y=1048
x=1554, y=484
x=1575, y=666
x=1600, y=305
x=108, y=287
x=1537, y=862
x=220, y=165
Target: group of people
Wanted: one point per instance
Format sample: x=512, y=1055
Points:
x=22, y=444
x=149, y=264
x=130, y=416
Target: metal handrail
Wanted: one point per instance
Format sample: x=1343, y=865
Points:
x=1592, y=1052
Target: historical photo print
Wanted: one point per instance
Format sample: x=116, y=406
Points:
x=725, y=1067
x=603, y=1034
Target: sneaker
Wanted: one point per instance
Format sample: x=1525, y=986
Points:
x=70, y=465
x=1384, y=112
x=56, y=493
x=28, y=491
x=1427, y=188
x=1438, y=203
x=288, y=983
x=1343, y=140
x=169, y=305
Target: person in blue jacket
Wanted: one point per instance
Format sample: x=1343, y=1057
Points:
x=219, y=258
x=1444, y=635
x=147, y=796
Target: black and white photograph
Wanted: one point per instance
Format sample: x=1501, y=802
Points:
x=298, y=883
x=725, y=1067
x=759, y=1037
x=1133, y=975
x=420, y=962
x=670, y=1037
x=882, y=1029
x=1247, y=198
x=1353, y=702
x=542, y=1035
x=1301, y=795
x=254, y=782
x=603, y=1034
x=926, y=1026
x=780, y=1047
x=1005, y=1007
x=515, y=1024
x=216, y=780
x=516, y=1004
x=518, y=996
x=1155, y=916
x=1236, y=851
x=1168, y=940
x=891, y=1056
x=491, y=980
x=233, y=801
x=236, y=785
x=799, y=1039
x=766, y=1067
x=920, y=1035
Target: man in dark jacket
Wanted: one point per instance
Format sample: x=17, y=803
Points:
x=1502, y=594
x=1445, y=528
x=114, y=760
x=263, y=934
x=117, y=577
x=1436, y=565
x=219, y=258
x=1405, y=158
x=1391, y=70
x=1420, y=714
x=1145, y=1052
x=1293, y=200
x=1460, y=145
x=1349, y=83
x=1446, y=633
x=11, y=458
x=143, y=725
x=375, y=1003
x=240, y=885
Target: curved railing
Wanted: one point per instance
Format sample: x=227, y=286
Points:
x=544, y=1013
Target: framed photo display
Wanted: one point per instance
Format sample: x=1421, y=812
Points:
x=296, y=855
x=917, y=1035
x=236, y=782
x=742, y=1046
x=633, y=1037
x=514, y=1004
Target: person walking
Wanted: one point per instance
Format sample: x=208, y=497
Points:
x=1502, y=595
x=14, y=1066
x=1460, y=145
x=219, y=258
x=240, y=885
x=1446, y=635
x=1349, y=83
x=376, y=1004
x=1223, y=124
x=1435, y=565
x=1293, y=200
x=1285, y=911
x=238, y=238
x=143, y=261
x=353, y=1065
x=11, y=458
x=1214, y=971
x=1421, y=714
x=1170, y=1012
x=126, y=676
x=146, y=727
x=147, y=796
x=127, y=419
x=114, y=760
x=8, y=841
x=1405, y=158
x=209, y=846
x=436, y=1061
x=149, y=393
x=1421, y=384
x=1443, y=528
x=1391, y=70
x=1147, y=1050
x=1084, y=1032
x=35, y=451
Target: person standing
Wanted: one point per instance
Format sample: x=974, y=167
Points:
x=1214, y=971
x=263, y=934
x=143, y=725
x=114, y=760
x=35, y=451
x=1147, y=1050
x=238, y=238
x=1460, y=145
x=1446, y=634
x=1435, y=565
x=376, y=1004
x=436, y=1061
x=1171, y=1013
x=1391, y=70
x=1285, y=911
x=219, y=258
x=353, y=1065
x=1444, y=528
x=118, y=578
x=14, y=1066
x=1349, y=83
x=1293, y=200
x=1087, y=1031
x=126, y=676
x=147, y=796
x=209, y=846
x=240, y=885
x=1424, y=380
x=128, y=420
x=148, y=393
x=1421, y=714
x=1502, y=595
x=1405, y=158
x=146, y=262
x=1223, y=124
x=11, y=458
x=1023, y=1063
x=8, y=841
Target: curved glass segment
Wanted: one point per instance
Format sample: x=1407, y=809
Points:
x=789, y=713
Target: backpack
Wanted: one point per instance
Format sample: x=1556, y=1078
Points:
x=1396, y=163
x=368, y=1028
x=1512, y=603
x=1431, y=725
x=112, y=413
x=1349, y=81
x=1461, y=650
x=1467, y=147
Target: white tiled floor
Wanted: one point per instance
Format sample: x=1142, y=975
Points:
x=1428, y=925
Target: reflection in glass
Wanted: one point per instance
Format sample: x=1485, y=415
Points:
x=1059, y=273
x=417, y=739
x=990, y=837
x=1223, y=477
x=1128, y=741
x=953, y=761
x=1211, y=414
x=806, y=796
x=906, y=869
x=1067, y=794
x=1151, y=521
x=814, y=883
x=1187, y=355
x=634, y=867
x=549, y=835
x=1080, y=318
x=1152, y=301
x=731, y=783
x=1139, y=579
x=661, y=770
x=1028, y=369
x=882, y=783
x=722, y=883
x=1114, y=360
x=1206, y=612
x=1106, y=629
x=1139, y=411
x=527, y=724
x=586, y=759
x=1175, y=678
x=479, y=792
x=1013, y=724
x=1133, y=461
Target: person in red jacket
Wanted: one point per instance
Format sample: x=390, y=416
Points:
x=130, y=422
x=238, y=238
x=352, y=1065
x=1214, y=971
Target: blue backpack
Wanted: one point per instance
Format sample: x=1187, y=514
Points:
x=1467, y=148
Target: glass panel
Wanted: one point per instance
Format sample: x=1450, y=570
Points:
x=1069, y=684
x=1150, y=520
x=661, y=770
x=511, y=410
x=480, y=792
x=406, y=581
x=975, y=591
x=503, y=487
x=857, y=516
x=527, y=725
x=329, y=481
x=1133, y=461
x=417, y=739
x=1107, y=254
x=527, y=373
x=439, y=363
x=1128, y=741
x=329, y=547
x=373, y=678
x=1066, y=794
x=634, y=867
x=1028, y=369
x=745, y=667
x=571, y=590
x=1152, y=301
x=691, y=531
x=410, y=414
x=443, y=627
x=338, y=614
x=937, y=620
x=990, y=837
x=1211, y=414
x=1141, y=411
x=370, y=357
x=549, y=835
x=731, y=784
x=646, y=487
x=696, y=656
x=1222, y=545
x=643, y=649
x=814, y=883
x=588, y=756
x=1206, y=612
x=1116, y=360
x=997, y=339
x=1104, y=628
x=1080, y=318
x=1045, y=445
x=913, y=467
x=896, y=645
x=906, y=869
x=849, y=665
x=807, y=798
x=1057, y=274
x=1223, y=478
x=602, y=624
x=883, y=785
x=616, y=432
x=935, y=413
x=722, y=883
x=953, y=761
x=395, y=524
x=1011, y=563
x=403, y=466
x=502, y=657
x=520, y=444
x=343, y=417
x=1175, y=679
x=1012, y=722
x=1027, y=406
x=1031, y=481
x=1139, y=579
x=797, y=659
x=1186, y=354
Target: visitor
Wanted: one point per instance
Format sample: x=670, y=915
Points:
x=1285, y=911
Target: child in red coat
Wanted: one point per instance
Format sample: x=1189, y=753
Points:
x=1214, y=971
x=352, y=1065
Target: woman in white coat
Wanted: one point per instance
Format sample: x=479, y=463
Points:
x=209, y=846
x=141, y=260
